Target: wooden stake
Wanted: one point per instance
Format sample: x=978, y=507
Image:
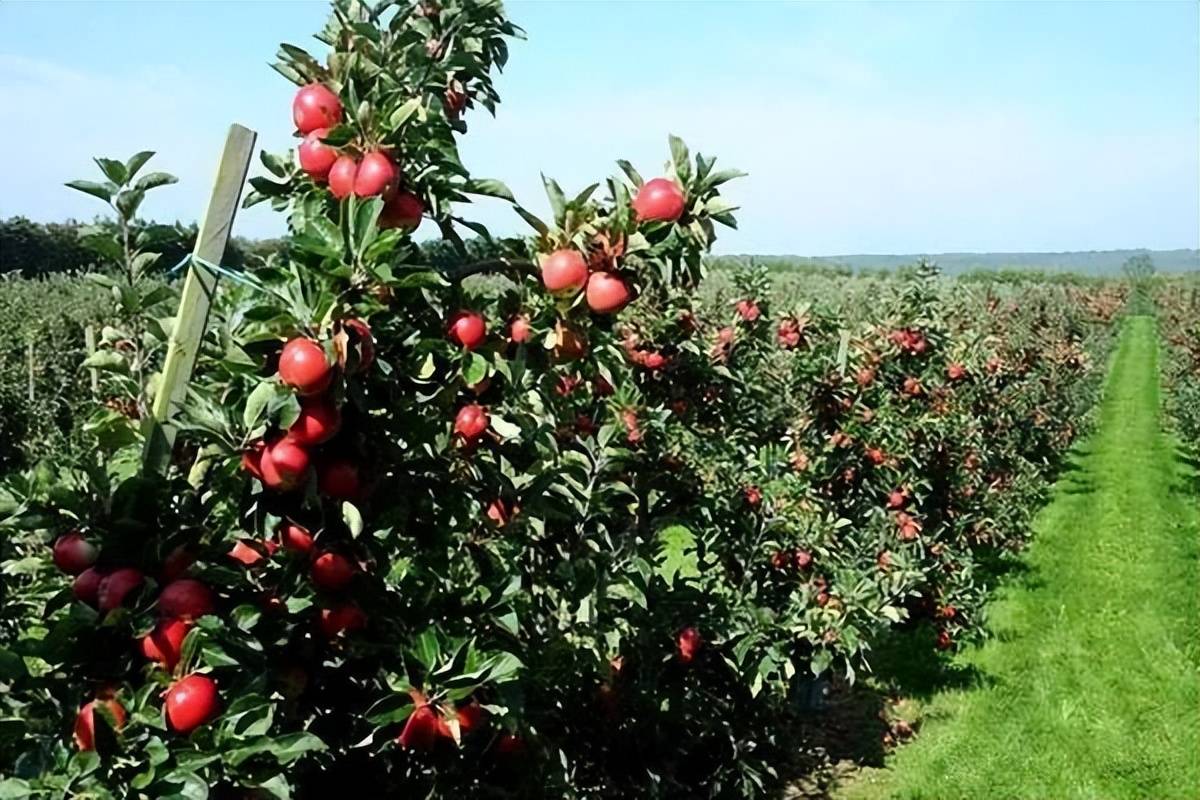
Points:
x=196, y=297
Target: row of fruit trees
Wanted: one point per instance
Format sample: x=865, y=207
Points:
x=570, y=531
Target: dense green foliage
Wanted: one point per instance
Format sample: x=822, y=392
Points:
x=1088, y=686
x=605, y=559
x=1179, y=320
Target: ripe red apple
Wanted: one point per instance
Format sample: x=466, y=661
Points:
x=519, y=330
x=187, y=598
x=319, y=420
x=659, y=200
x=343, y=618
x=73, y=553
x=285, y=465
x=295, y=538
x=315, y=106
x=803, y=559
x=332, y=572
x=339, y=479
x=116, y=586
x=607, y=293
x=421, y=730
x=252, y=458
x=247, y=555
x=342, y=176
x=469, y=718
x=402, y=210
x=956, y=372
x=467, y=329
x=471, y=422
x=944, y=640
x=86, y=586
x=191, y=702
x=499, y=511
x=510, y=746
x=85, y=722
x=687, y=644
x=165, y=643
x=177, y=562
x=377, y=175
x=564, y=272
x=748, y=310
x=753, y=496
x=304, y=366
x=316, y=157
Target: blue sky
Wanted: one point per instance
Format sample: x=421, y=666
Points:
x=877, y=128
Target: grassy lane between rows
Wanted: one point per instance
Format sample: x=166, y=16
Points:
x=1090, y=684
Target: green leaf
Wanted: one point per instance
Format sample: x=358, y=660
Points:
x=353, y=518
x=291, y=746
x=426, y=649
x=12, y=788
x=113, y=170
x=102, y=190
x=634, y=176
x=12, y=666
x=256, y=404
x=489, y=187
x=558, y=201
x=403, y=112
x=366, y=216
x=475, y=368
x=153, y=180
x=677, y=555
x=680, y=159
x=535, y=223
x=106, y=360
x=135, y=162
x=339, y=137
x=128, y=202
x=274, y=164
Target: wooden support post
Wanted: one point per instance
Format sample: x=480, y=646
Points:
x=196, y=297
x=89, y=341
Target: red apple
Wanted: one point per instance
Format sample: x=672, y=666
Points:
x=607, y=293
x=187, y=598
x=519, y=330
x=295, y=538
x=332, y=572
x=377, y=175
x=285, y=465
x=339, y=479
x=316, y=106
x=342, y=176
x=421, y=730
x=73, y=553
x=317, y=423
x=467, y=329
x=86, y=586
x=564, y=272
x=116, y=587
x=688, y=644
x=165, y=643
x=85, y=722
x=304, y=366
x=252, y=458
x=343, y=618
x=471, y=422
x=191, y=702
x=246, y=554
x=316, y=157
x=659, y=200
x=402, y=210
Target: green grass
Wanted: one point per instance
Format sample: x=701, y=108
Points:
x=1090, y=684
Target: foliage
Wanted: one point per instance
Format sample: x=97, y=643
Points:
x=674, y=517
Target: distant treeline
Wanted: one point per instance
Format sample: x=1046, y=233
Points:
x=1106, y=263
x=34, y=249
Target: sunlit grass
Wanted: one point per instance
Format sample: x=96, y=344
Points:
x=1089, y=686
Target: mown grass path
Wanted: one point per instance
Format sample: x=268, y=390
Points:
x=1090, y=686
